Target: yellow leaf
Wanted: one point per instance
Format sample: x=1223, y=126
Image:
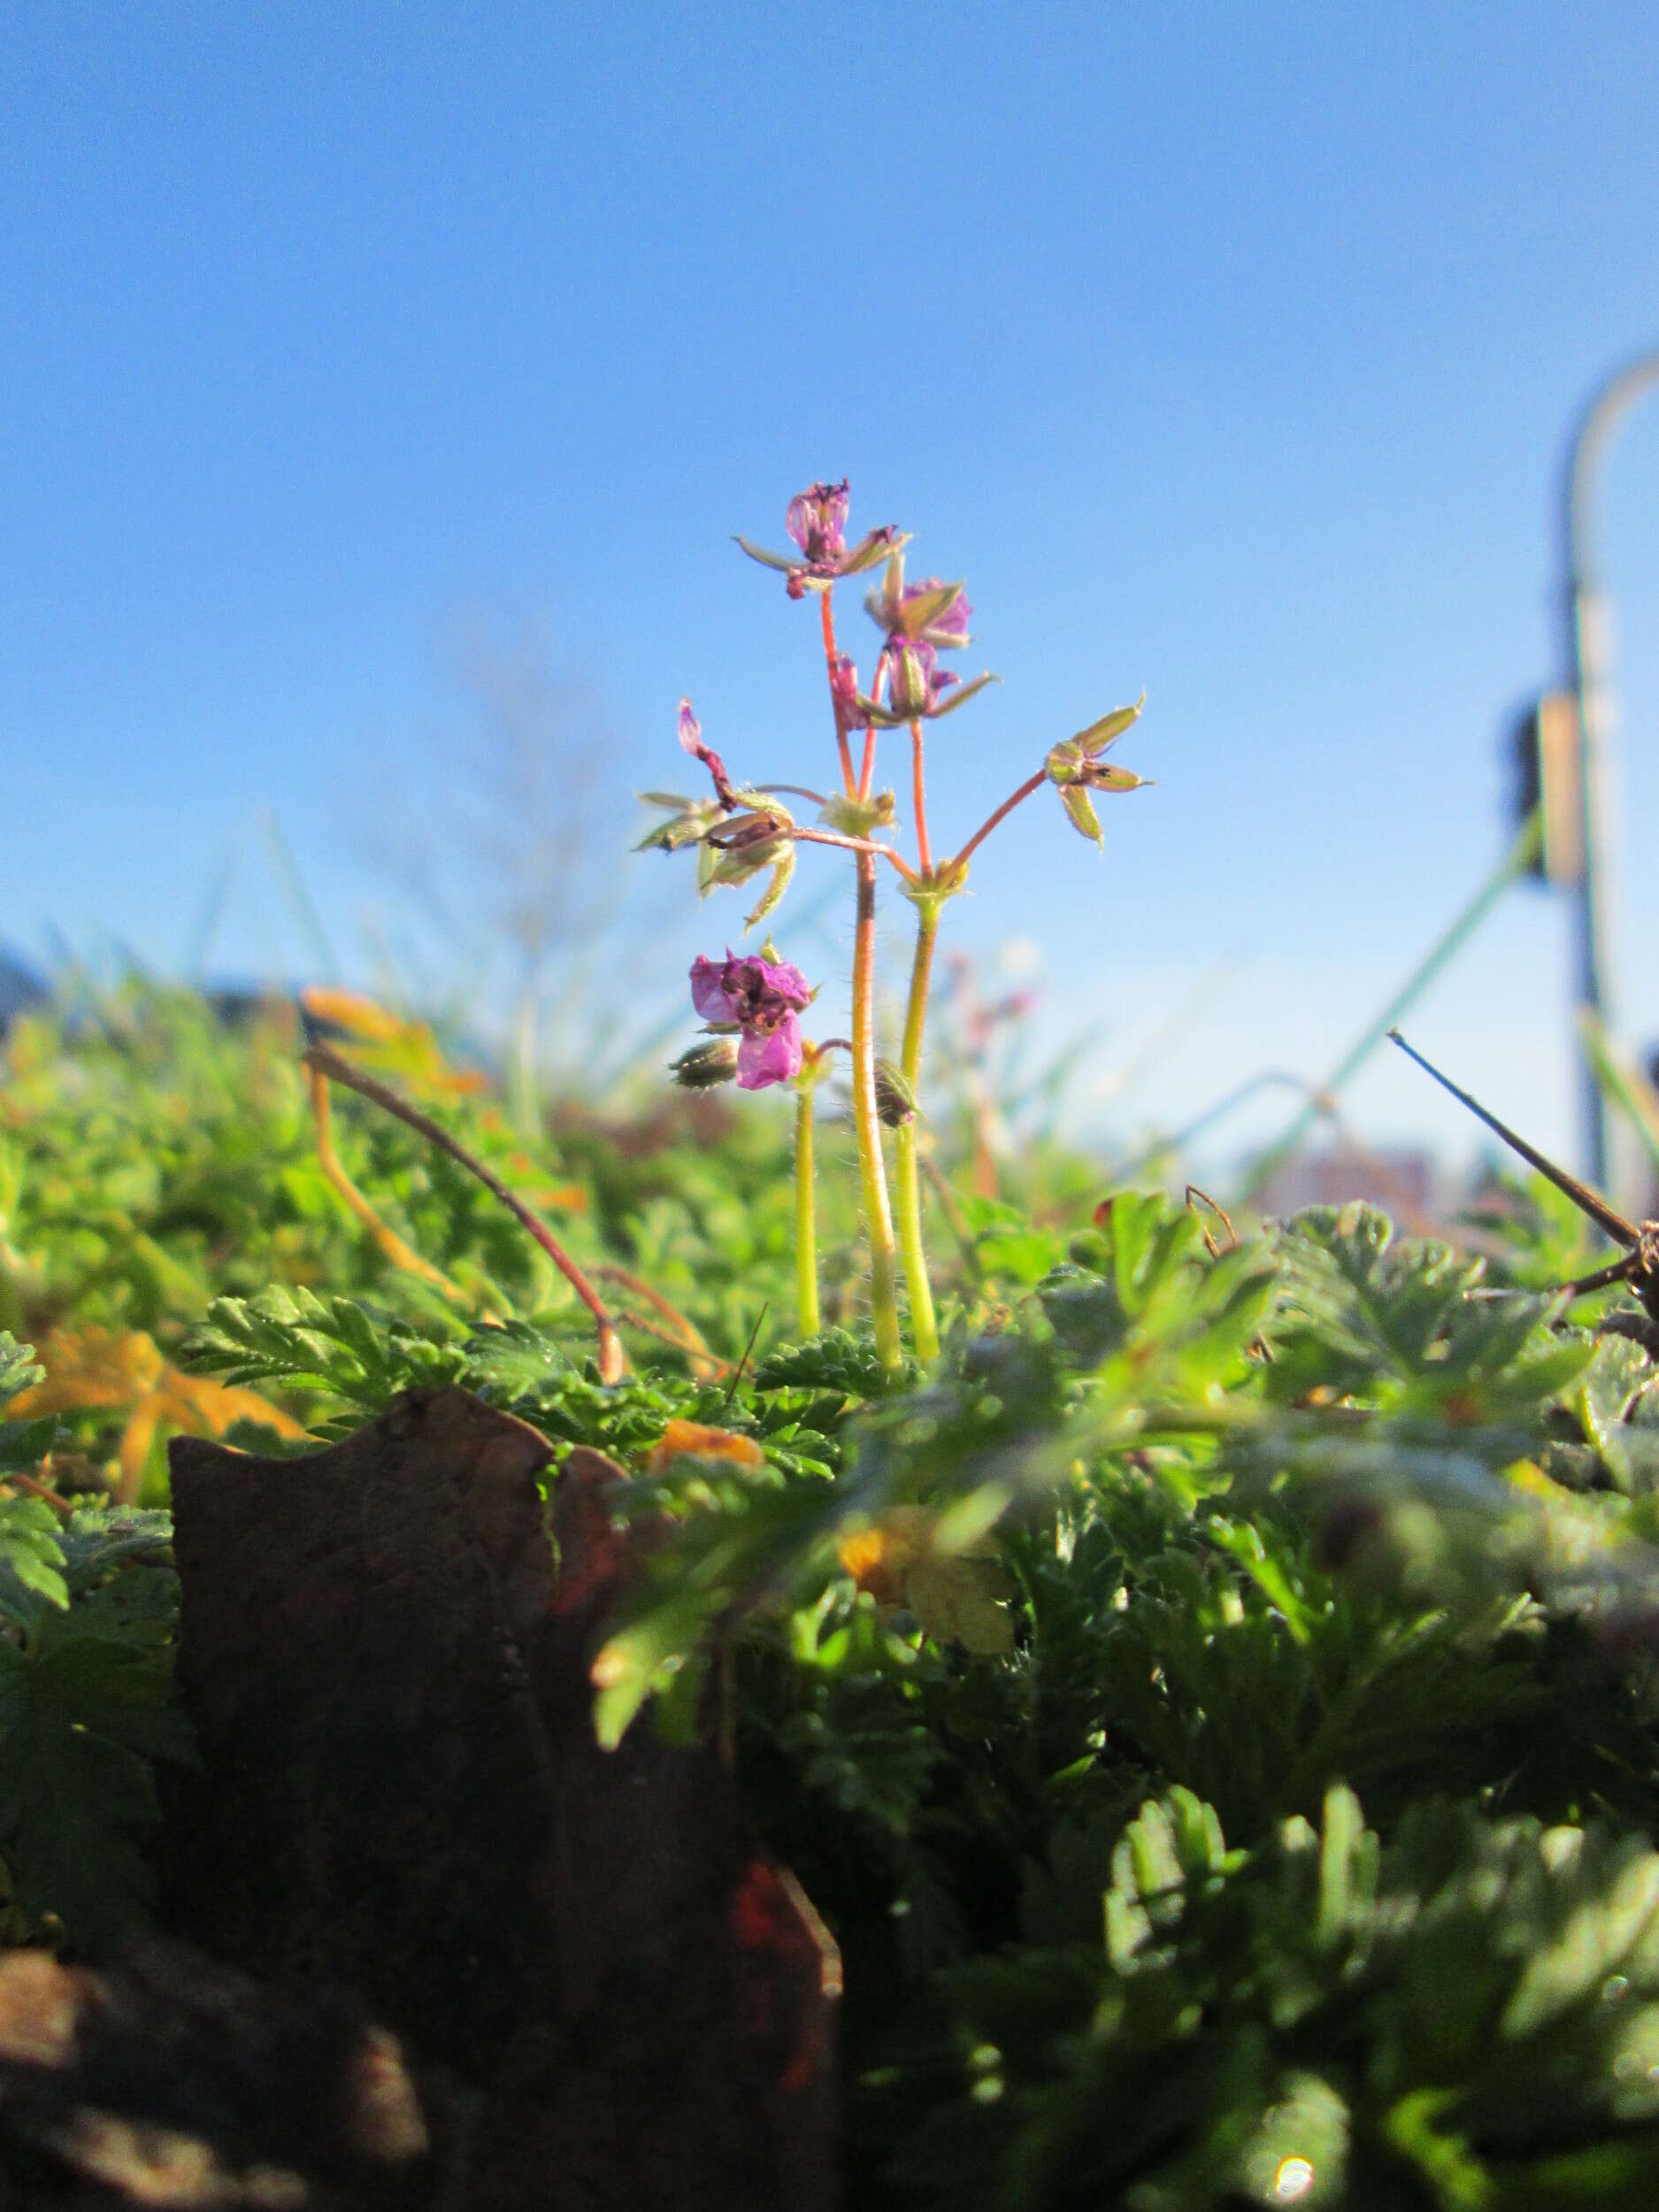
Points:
x=90, y=1370
x=689, y=1439
x=199, y=1402
x=957, y=1595
x=390, y=1043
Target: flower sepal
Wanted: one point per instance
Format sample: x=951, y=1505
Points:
x=688, y=824
x=929, y=893
x=859, y=818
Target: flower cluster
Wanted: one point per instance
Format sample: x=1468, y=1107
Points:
x=817, y=521
x=761, y=999
x=918, y=621
x=743, y=830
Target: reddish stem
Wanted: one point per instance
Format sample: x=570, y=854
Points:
x=864, y=846
x=1031, y=784
x=322, y=1061
x=827, y=619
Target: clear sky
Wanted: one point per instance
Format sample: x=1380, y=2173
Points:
x=1226, y=351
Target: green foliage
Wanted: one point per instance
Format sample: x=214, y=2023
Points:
x=1448, y=2019
x=86, y=1689
x=1327, y=1518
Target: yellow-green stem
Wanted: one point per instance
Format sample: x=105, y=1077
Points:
x=907, y=1179
x=884, y=1301
x=805, y=1221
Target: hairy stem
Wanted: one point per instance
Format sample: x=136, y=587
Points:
x=863, y=845
x=872, y=1169
x=907, y=1184
x=806, y=1219
x=321, y=1061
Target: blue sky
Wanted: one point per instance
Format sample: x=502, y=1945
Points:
x=1228, y=352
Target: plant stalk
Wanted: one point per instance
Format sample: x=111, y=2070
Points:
x=884, y=1304
x=805, y=1217
x=907, y=1180
x=1031, y=784
x=828, y=621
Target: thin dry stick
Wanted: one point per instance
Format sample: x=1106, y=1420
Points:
x=41, y=1490
x=706, y=1368
x=613, y=1360
x=737, y=1372
x=1221, y=1214
x=690, y=1339
x=400, y=1255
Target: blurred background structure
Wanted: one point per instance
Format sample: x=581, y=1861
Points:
x=383, y=390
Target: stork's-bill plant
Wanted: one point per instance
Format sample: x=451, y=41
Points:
x=745, y=830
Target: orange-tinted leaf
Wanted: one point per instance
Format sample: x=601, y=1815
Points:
x=690, y=1439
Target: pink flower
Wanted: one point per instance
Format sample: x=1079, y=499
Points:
x=921, y=621
x=916, y=682
x=928, y=613
x=762, y=998
x=816, y=522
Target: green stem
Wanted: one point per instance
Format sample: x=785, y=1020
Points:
x=907, y=1179
x=805, y=1224
x=884, y=1303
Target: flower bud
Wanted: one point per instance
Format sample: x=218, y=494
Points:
x=896, y=1101
x=910, y=678
x=712, y=1061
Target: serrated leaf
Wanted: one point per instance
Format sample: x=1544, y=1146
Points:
x=81, y=1716
x=836, y=1361
x=19, y=1370
x=31, y=1558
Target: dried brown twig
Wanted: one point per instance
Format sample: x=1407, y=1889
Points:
x=322, y=1061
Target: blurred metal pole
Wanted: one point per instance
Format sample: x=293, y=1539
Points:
x=1589, y=657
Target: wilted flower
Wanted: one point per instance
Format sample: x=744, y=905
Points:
x=691, y=741
x=761, y=998
x=1075, y=767
x=817, y=521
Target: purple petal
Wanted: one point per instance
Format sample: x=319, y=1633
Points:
x=953, y=624
x=690, y=731
x=782, y=980
x=708, y=993
x=815, y=519
x=769, y=1056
